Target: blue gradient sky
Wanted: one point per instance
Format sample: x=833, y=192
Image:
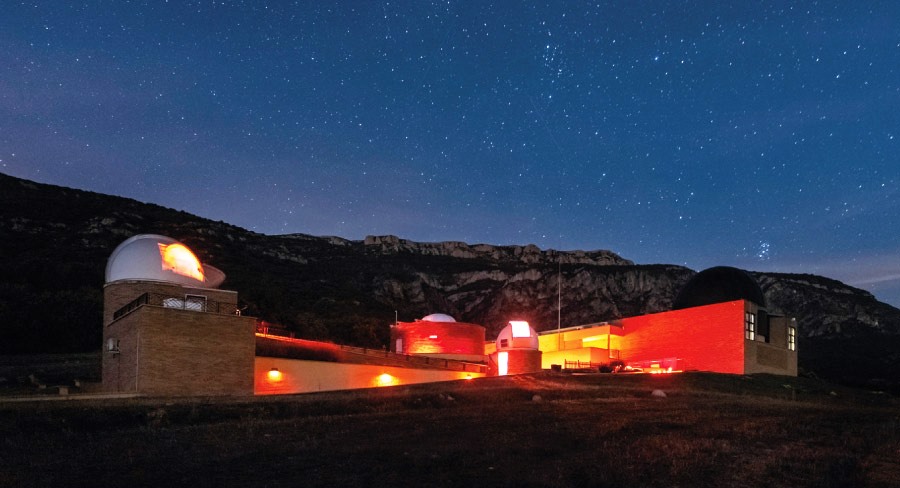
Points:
x=761, y=134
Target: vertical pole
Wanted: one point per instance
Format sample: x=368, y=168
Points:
x=559, y=303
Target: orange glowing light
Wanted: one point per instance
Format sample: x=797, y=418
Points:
x=180, y=260
x=274, y=374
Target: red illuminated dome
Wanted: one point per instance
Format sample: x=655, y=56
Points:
x=150, y=257
x=439, y=335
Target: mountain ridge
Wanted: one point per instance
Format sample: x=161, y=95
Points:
x=56, y=241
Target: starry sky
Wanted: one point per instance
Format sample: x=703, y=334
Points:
x=763, y=135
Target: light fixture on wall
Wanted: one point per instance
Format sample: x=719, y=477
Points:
x=385, y=379
x=274, y=374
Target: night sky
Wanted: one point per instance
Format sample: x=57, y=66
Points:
x=763, y=135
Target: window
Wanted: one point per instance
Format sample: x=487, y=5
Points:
x=792, y=338
x=750, y=326
x=196, y=303
x=504, y=343
x=520, y=328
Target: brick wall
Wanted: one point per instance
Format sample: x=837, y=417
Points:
x=519, y=361
x=167, y=351
x=440, y=339
x=193, y=353
x=119, y=370
x=708, y=338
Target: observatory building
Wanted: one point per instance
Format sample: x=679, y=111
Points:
x=719, y=323
x=441, y=336
x=516, y=350
x=167, y=329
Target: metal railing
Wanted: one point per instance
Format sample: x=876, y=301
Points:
x=581, y=364
x=194, y=303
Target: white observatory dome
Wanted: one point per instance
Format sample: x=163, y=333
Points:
x=438, y=317
x=517, y=335
x=150, y=257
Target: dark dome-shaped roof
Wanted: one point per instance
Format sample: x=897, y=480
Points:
x=717, y=285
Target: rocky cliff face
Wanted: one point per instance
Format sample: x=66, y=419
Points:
x=55, y=242
x=826, y=307
x=529, y=254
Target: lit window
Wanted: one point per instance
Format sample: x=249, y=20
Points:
x=792, y=338
x=520, y=328
x=749, y=326
x=503, y=364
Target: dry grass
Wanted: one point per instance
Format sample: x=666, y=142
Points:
x=711, y=430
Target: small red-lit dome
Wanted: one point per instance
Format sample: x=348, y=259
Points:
x=439, y=335
x=517, y=335
x=153, y=257
x=438, y=317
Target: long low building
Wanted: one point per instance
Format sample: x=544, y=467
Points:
x=719, y=323
x=719, y=337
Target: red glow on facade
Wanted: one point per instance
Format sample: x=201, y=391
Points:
x=708, y=338
x=455, y=340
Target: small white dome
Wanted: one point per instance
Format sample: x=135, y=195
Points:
x=517, y=335
x=438, y=317
x=158, y=258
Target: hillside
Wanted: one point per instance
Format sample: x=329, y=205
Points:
x=55, y=242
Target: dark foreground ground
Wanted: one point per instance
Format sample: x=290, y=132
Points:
x=535, y=430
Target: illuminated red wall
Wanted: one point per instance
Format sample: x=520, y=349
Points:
x=438, y=338
x=302, y=376
x=708, y=338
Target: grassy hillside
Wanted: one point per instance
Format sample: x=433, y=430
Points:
x=533, y=430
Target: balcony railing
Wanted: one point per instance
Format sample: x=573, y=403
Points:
x=194, y=303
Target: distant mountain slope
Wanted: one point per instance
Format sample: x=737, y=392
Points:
x=55, y=242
